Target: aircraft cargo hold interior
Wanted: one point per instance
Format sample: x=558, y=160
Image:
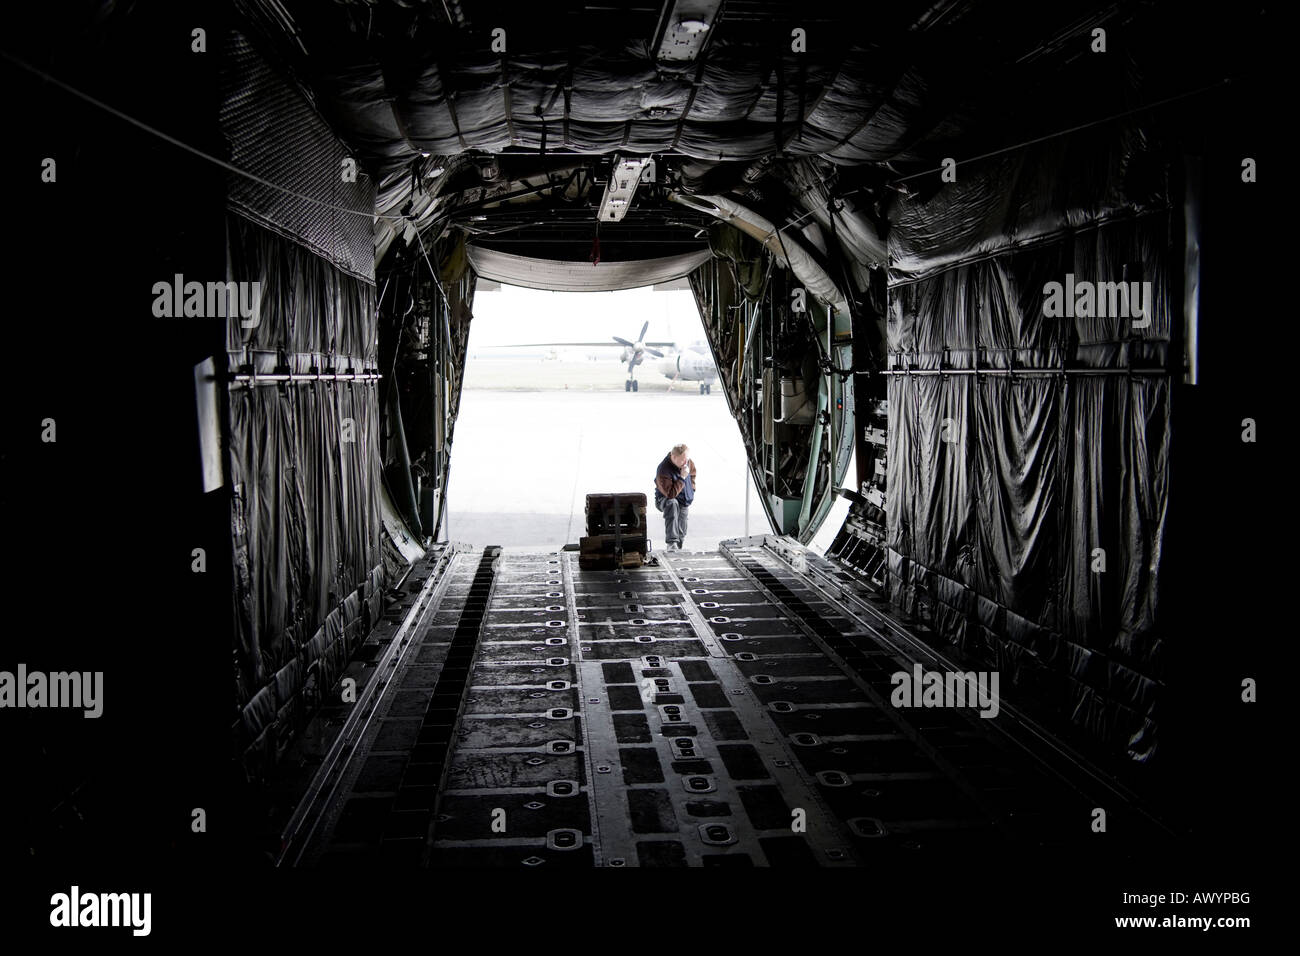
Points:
x=986, y=289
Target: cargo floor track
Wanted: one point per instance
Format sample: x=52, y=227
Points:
x=712, y=708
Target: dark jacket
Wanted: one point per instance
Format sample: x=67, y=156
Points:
x=670, y=484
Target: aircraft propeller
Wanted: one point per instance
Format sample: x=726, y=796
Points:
x=637, y=348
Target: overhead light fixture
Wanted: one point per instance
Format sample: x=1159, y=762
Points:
x=685, y=28
x=434, y=172
x=623, y=180
x=478, y=218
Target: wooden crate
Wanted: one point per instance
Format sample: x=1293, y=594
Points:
x=608, y=512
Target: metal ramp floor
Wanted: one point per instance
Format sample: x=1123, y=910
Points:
x=714, y=708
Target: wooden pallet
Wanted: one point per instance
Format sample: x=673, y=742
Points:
x=607, y=562
x=607, y=543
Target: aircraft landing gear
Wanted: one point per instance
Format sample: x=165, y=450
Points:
x=634, y=384
x=706, y=388
x=629, y=385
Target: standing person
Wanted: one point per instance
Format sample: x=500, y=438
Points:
x=674, y=492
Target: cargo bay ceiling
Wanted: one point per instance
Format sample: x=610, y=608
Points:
x=504, y=121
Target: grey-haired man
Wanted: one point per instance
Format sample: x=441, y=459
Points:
x=674, y=493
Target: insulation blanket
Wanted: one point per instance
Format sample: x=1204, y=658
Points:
x=304, y=456
x=304, y=473
x=1026, y=512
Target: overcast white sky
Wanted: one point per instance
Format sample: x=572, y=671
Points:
x=530, y=315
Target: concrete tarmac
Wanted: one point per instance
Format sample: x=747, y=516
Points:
x=525, y=454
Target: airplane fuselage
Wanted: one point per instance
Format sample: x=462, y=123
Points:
x=689, y=367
